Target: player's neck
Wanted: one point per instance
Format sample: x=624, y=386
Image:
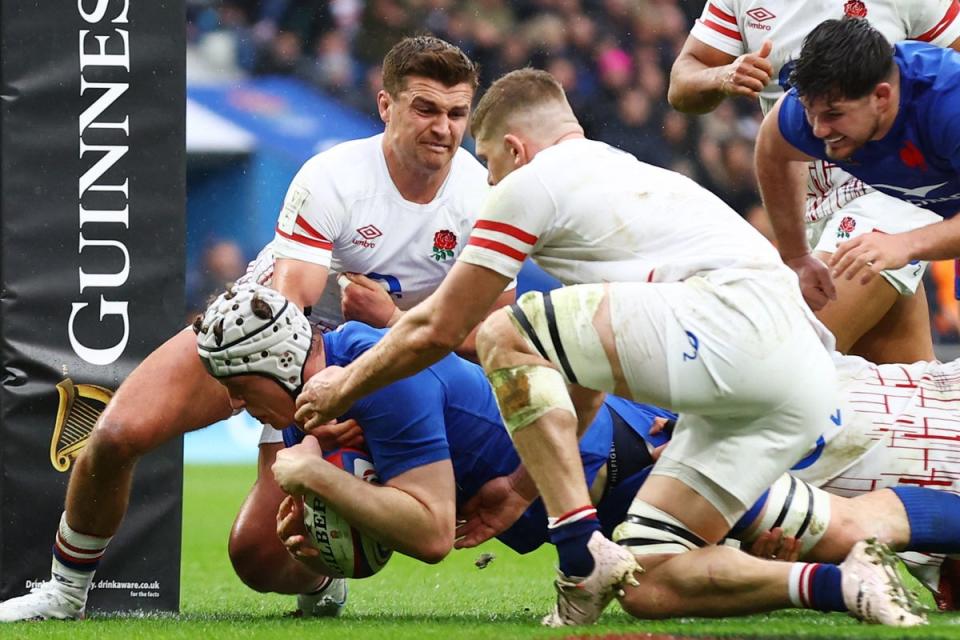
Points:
x=415, y=184
x=317, y=358
x=890, y=116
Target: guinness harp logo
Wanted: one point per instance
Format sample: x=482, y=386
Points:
x=80, y=406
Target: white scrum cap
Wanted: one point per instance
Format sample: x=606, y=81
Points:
x=253, y=330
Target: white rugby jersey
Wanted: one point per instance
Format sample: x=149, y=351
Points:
x=587, y=212
x=897, y=425
x=737, y=27
x=343, y=211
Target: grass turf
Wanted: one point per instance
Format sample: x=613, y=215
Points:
x=407, y=599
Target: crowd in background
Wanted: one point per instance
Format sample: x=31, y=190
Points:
x=613, y=57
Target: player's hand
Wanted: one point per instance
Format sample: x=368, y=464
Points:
x=815, y=281
x=336, y=435
x=292, y=532
x=748, y=74
x=293, y=465
x=321, y=399
x=493, y=510
x=661, y=424
x=773, y=545
x=868, y=255
x=366, y=300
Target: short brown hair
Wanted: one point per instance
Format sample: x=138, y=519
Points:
x=516, y=90
x=428, y=57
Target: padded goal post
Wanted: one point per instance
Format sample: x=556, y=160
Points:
x=92, y=208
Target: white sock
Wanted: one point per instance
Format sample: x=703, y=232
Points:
x=75, y=558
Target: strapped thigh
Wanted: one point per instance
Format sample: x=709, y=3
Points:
x=559, y=326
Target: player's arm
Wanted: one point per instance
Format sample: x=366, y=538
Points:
x=424, y=334
x=413, y=513
x=308, y=221
x=468, y=348
x=702, y=76
x=781, y=175
x=300, y=282
x=365, y=300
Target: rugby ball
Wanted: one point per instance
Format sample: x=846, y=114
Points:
x=345, y=551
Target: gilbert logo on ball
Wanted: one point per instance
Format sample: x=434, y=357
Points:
x=345, y=551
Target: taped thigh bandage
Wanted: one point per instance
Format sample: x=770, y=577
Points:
x=559, y=325
x=647, y=530
x=527, y=392
x=800, y=509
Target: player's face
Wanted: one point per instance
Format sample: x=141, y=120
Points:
x=263, y=399
x=425, y=122
x=498, y=157
x=843, y=125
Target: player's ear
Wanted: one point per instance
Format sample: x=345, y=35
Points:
x=516, y=149
x=384, y=100
x=883, y=95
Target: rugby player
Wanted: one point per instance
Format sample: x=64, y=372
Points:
x=437, y=440
x=700, y=316
x=392, y=210
x=890, y=116
x=747, y=48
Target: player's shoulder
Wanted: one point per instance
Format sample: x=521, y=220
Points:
x=349, y=341
x=345, y=164
x=467, y=186
x=933, y=74
x=466, y=165
x=573, y=155
x=925, y=59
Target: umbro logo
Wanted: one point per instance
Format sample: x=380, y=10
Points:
x=757, y=18
x=368, y=233
x=760, y=14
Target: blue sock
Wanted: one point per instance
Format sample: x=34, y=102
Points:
x=934, y=518
x=570, y=534
x=816, y=586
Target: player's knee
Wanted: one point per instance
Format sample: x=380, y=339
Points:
x=434, y=550
x=113, y=442
x=491, y=337
x=251, y=560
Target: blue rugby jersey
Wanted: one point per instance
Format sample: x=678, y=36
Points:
x=447, y=411
x=919, y=158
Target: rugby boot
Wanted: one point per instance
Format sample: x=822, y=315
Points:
x=873, y=590
x=327, y=602
x=49, y=601
x=582, y=600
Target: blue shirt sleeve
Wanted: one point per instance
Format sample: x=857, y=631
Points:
x=794, y=126
x=403, y=425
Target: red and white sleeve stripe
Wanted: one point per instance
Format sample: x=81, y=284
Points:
x=945, y=23
x=720, y=21
x=305, y=234
x=502, y=238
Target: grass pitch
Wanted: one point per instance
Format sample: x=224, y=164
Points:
x=407, y=600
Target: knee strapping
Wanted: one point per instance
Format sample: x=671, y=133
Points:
x=527, y=392
x=647, y=530
x=800, y=509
